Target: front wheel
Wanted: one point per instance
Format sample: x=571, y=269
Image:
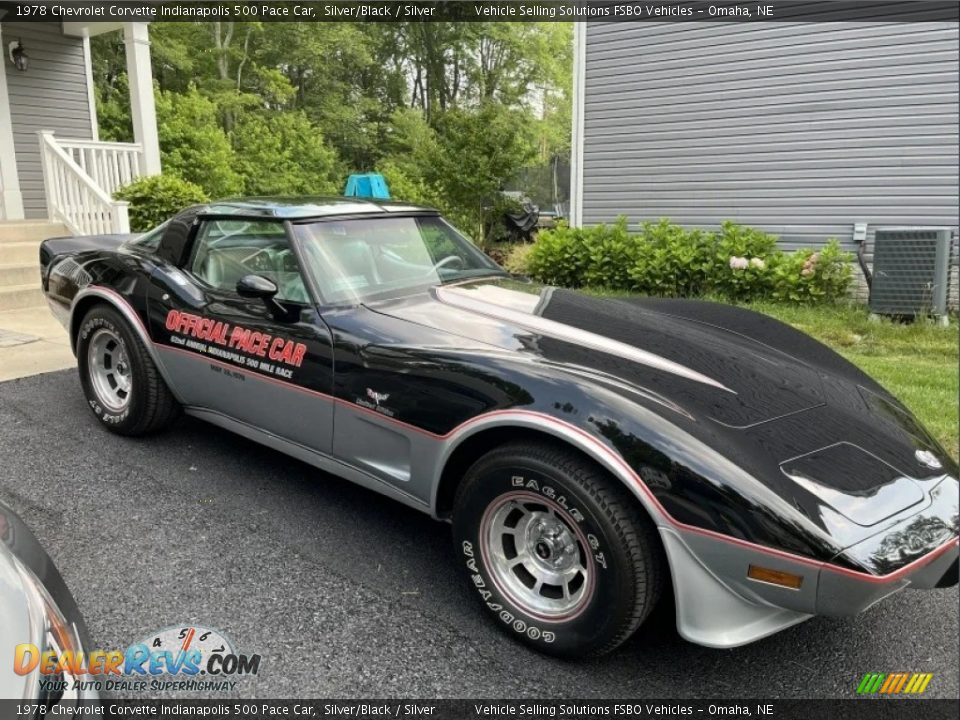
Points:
x=120, y=381
x=559, y=552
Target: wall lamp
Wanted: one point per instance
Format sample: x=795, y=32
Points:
x=18, y=56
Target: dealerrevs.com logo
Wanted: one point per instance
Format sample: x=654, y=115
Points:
x=188, y=658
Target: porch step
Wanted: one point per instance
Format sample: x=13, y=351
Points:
x=19, y=274
x=18, y=231
x=14, y=297
x=16, y=253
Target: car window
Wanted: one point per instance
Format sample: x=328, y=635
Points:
x=355, y=260
x=150, y=240
x=226, y=250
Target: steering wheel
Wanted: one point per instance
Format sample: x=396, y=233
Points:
x=226, y=234
x=454, y=260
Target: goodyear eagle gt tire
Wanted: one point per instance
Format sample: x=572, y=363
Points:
x=559, y=553
x=122, y=385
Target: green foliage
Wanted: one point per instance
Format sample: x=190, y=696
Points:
x=113, y=112
x=607, y=254
x=458, y=166
x=448, y=111
x=478, y=151
x=193, y=146
x=495, y=228
x=742, y=257
x=154, y=199
x=806, y=276
x=560, y=256
x=409, y=189
x=517, y=258
x=283, y=154
x=669, y=260
x=736, y=263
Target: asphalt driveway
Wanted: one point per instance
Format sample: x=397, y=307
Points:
x=346, y=594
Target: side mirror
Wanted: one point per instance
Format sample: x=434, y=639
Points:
x=256, y=286
x=260, y=288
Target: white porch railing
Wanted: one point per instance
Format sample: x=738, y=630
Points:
x=110, y=165
x=74, y=197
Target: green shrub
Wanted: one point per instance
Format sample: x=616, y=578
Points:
x=517, y=259
x=743, y=260
x=154, y=199
x=559, y=256
x=608, y=253
x=669, y=260
x=735, y=262
x=806, y=276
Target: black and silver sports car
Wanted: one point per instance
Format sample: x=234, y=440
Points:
x=587, y=451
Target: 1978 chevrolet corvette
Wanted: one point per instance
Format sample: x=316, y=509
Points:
x=587, y=451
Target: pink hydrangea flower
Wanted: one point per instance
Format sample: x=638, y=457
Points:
x=739, y=263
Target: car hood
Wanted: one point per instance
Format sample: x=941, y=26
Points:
x=733, y=379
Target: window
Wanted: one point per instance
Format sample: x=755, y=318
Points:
x=226, y=250
x=149, y=241
x=353, y=260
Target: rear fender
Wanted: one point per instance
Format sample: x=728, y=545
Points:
x=93, y=294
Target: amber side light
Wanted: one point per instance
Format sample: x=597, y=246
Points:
x=775, y=577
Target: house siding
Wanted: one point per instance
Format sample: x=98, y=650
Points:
x=50, y=95
x=802, y=129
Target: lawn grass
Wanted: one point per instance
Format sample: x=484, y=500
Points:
x=918, y=362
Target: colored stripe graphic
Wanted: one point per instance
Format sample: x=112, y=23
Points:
x=891, y=681
x=894, y=683
x=870, y=683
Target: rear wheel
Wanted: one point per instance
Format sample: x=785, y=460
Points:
x=558, y=551
x=119, y=379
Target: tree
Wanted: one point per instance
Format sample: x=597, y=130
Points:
x=449, y=111
x=193, y=146
x=283, y=154
x=480, y=151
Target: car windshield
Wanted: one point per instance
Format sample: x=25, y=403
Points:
x=362, y=259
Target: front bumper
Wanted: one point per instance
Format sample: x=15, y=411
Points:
x=920, y=551
x=719, y=606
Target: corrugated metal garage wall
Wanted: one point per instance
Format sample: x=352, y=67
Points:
x=801, y=129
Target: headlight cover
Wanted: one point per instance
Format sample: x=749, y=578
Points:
x=57, y=634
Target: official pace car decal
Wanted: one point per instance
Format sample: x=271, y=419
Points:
x=268, y=353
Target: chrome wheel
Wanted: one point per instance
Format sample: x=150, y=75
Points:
x=109, y=369
x=537, y=556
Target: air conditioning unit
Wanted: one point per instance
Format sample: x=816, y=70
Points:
x=911, y=271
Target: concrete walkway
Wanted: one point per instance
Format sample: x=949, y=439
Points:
x=32, y=342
